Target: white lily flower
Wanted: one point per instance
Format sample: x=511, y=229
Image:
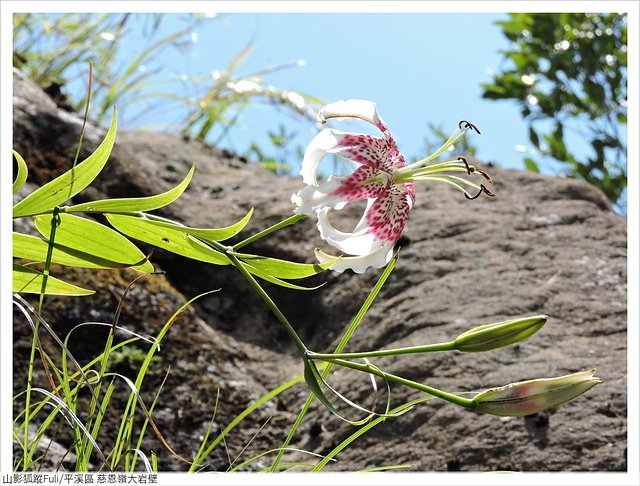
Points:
x=383, y=179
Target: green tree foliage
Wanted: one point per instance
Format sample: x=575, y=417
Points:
x=568, y=72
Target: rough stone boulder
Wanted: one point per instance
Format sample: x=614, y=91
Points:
x=544, y=245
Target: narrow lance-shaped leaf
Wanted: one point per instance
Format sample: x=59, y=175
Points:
x=132, y=204
x=274, y=280
x=27, y=280
x=23, y=172
x=166, y=238
x=212, y=234
x=283, y=268
x=35, y=249
x=92, y=238
x=71, y=182
x=312, y=378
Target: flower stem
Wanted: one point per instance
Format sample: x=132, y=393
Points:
x=427, y=348
x=274, y=308
x=450, y=397
x=285, y=222
x=366, y=305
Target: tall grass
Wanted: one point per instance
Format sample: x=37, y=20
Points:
x=54, y=49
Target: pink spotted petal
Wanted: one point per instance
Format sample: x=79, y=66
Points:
x=376, y=259
x=336, y=192
x=381, y=224
x=368, y=150
x=387, y=216
x=363, y=149
x=360, y=184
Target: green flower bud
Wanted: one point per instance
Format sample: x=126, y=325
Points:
x=533, y=396
x=492, y=336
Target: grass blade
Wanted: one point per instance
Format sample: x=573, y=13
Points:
x=362, y=430
x=341, y=345
x=70, y=415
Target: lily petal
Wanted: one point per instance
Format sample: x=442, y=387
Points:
x=336, y=192
x=312, y=198
x=381, y=153
x=361, y=241
x=387, y=216
x=318, y=148
x=363, y=109
x=359, y=264
x=381, y=224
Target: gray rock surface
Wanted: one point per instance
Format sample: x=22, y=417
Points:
x=544, y=245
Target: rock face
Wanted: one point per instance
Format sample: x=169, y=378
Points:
x=544, y=245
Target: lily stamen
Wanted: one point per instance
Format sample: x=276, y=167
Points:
x=455, y=136
x=466, y=164
x=468, y=125
x=482, y=189
x=471, y=169
x=482, y=173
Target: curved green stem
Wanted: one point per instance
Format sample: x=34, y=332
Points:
x=366, y=305
x=427, y=348
x=285, y=222
x=274, y=308
x=463, y=402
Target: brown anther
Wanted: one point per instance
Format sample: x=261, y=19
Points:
x=465, y=124
x=469, y=168
x=483, y=189
x=486, y=191
x=483, y=174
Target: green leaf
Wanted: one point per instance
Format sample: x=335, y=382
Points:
x=275, y=280
x=312, y=378
x=86, y=239
x=35, y=249
x=533, y=136
x=531, y=165
x=135, y=203
x=170, y=239
x=283, y=268
x=213, y=234
x=29, y=281
x=71, y=182
x=23, y=172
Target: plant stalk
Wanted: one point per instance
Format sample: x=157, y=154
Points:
x=427, y=348
x=463, y=402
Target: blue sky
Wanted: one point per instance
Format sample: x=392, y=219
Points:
x=420, y=68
